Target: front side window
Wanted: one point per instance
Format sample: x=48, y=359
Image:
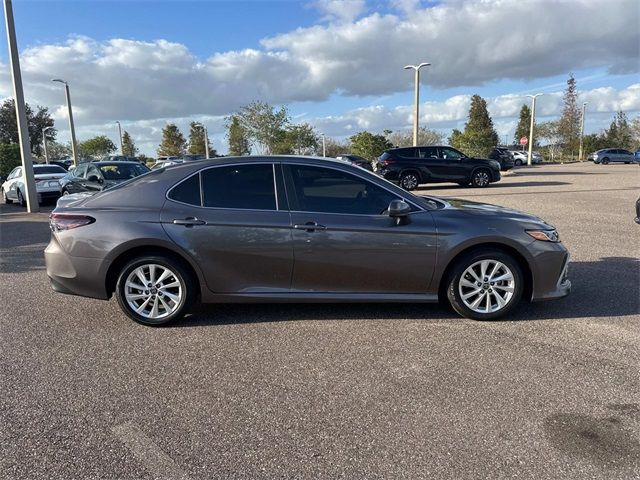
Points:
x=450, y=154
x=92, y=170
x=239, y=186
x=80, y=170
x=122, y=171
x=427, y=152
x=324, y=190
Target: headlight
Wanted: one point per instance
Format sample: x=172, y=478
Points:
x=545, y=235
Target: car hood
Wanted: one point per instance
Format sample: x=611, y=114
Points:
x=487, y=211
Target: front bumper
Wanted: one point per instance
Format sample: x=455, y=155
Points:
x=544, y=287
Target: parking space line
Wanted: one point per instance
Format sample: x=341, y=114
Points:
x=158, y=463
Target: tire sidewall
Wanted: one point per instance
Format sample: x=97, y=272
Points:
x=453, y=294
x=186, y=282
x=476, y=173
x=21, y=199
x=409, y=174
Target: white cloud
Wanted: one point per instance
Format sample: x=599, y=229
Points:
x=341, y=11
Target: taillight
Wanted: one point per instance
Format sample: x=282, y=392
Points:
x=61, y=221
x=387, y=161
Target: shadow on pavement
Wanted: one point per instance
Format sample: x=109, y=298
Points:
x=22, y=245
x=448, y=186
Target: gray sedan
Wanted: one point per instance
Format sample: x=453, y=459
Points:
x=296, y=229
x=612, y=155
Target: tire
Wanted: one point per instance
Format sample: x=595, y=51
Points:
x=409, y=181
x=518, y=163
x=605, y=161
x=21, y=199
x=481, y=178
x=461, y=283
x=170, y=303
x=7, y=200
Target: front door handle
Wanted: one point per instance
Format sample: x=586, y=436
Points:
x=310, y=227
x=189, y=221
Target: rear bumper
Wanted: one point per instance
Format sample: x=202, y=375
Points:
x=74, y=275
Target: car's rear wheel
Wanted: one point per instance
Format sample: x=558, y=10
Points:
x=155, y=290
x=485, y=285
x=409, y=181
x=21, y=199
x=480, y=178
x=6, y=199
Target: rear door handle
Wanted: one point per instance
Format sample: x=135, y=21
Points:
x=310, y=227
x=189, y=221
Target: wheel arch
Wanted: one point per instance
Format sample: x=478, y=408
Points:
x=523, y=263
x=411, y=170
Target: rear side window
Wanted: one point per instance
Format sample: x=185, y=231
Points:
x=239, y=186
x=187, y=191
x=406, y=152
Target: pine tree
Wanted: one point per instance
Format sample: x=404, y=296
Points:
x=524, y=124
x=173, y=142
x=479, y=136
x=196, y=140
x=619, y=134
x=129, y=148
x=237, y=136
x=569, y=123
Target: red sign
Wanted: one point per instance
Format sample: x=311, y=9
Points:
x=524, y=141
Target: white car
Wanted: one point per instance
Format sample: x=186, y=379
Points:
x=520, y=157
x=47, y=184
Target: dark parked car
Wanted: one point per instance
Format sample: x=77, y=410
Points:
x=117, y=158
x=412, y=166
x=356, y=160
x=96, y=176
x=611, y=155
x=503, y=156
x=62, y=163
x=296, y=229
x=638, y=210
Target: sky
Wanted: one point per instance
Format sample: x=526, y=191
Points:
x=337, y=64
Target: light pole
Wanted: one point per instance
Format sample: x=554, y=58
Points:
x=21, y=116
x=206, y=139
x=581, y=153
x=533, y=116
x=416, y=100
x=44, y=143
x=120, y=133
x=324, y=146
x=71, y=127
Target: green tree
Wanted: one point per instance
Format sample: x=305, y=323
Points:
x=635, y=133
x=550, y=131
x=524, y=125
x=173, y=142
x=300, y=139
x=58, y=151
x=593, y=142
x=129, y=148
x=426, y=136
x=9, y=158
x=237, y=138
x=96, y=147
x=263, y=125
x=196, y=140
x=619, y=134
x=569, y=123
x=36, y=123
x=369, y=145
x=334, y=147
x=479, y=136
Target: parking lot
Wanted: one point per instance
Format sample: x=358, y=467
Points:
x=326, y=391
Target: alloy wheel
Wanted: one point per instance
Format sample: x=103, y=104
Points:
x=487, y=286
x=409, y=181
x=153, y=291
x=481, y=179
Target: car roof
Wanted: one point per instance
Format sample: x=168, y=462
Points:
x=114, y=162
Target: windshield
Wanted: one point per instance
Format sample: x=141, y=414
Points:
x=122, y=171
x=37, y=170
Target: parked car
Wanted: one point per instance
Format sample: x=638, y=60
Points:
x=47, y=184
x=413, y=166
x=66, y=163
x=521, y=158
x=503, y=156
x=638, y=210
x=229, y=230
x=166, y=163
x=610, y=155
x=356, y=160
x=117, y=158
x=188, y=157
x=96, y=176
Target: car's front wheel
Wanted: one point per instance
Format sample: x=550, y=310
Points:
x=155, y=290
x=605, y=161
x=480, y=178
x=409, y=181
x=485, y=285
x=518, y=163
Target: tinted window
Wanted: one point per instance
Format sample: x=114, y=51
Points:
x=241, y=186
x=406, y=152
x=122, y=171
x=80, y=170
x=49, y=169
x=187, y=191
x=93, y=170
x=450, y=153
x=317, y=189
x=427, y=152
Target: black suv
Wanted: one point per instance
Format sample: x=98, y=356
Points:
x=412, y=166
x=503, y=156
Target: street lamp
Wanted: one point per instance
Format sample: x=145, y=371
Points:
x=533, y=116
x=120, y=133
x=581, y=152
x=324, y=146
x=416, y=105
x=21, y=115
x=206, y=139
x=71, y=127
x=44, y=143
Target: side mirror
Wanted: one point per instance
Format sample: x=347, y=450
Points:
x=93, y=178
x=398, y=208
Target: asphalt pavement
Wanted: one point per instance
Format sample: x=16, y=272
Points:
x=337, y=391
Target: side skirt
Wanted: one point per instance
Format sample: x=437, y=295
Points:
x=319, y=297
